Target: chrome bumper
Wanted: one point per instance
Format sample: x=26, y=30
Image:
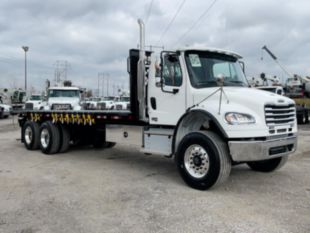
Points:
x=243, y=151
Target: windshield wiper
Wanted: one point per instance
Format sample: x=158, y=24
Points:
x=235, y=82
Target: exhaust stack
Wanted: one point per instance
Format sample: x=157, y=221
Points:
x=141, y=87
x=142, y=38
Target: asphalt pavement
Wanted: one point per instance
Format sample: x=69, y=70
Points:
x=123, y=190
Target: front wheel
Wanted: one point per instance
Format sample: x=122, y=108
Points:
x=203, y=160
x=268, y=165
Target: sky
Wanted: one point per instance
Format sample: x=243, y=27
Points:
x=95, y=36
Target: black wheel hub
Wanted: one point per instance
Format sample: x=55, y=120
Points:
x=197, y=160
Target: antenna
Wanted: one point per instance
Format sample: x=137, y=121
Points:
x=220, y=82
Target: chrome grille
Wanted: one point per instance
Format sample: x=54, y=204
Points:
x=119, y=107
x=29, y=106
x=61, y=106
x=279, y=115
x=101, y=106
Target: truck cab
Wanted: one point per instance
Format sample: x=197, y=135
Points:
x=200, y=99
x=35, y=102
x=122, y=103
x=107, y=103
x=63, y=98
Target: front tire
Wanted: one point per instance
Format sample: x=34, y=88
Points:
x=203, y=160
x=268, y=165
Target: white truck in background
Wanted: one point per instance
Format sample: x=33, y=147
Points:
x=63, y=98
x=196, y=108
x=35, y=102
x=107, y=103
x=122, y=103
x=15, y=97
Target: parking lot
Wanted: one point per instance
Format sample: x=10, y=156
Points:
x=123, y=190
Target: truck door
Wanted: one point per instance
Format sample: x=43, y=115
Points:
x=167, y=95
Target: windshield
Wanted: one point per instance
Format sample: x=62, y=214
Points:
x=205, y=67
x=96, y=99
x=64, y=93
x=109, y=98
x=124, y=99
x=35, y=97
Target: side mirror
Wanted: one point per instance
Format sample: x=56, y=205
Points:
x=220, y=79
x=167, y=66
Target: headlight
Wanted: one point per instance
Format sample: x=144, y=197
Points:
x=235, y=118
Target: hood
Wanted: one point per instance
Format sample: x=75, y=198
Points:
x=5, y=107
x=250, y=97
x=34, y=101
x=239, y=100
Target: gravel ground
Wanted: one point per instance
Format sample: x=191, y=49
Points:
x=123, y=190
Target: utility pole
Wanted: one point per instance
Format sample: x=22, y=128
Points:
x=25, y=48
x=100, y=78
x=107, y=83
x=98, y=92
x=61, y=70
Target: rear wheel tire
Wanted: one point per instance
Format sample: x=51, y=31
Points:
x=203, y=160
x=64, y=139
x=49, y=138
x=31, y=135
x=269, y=165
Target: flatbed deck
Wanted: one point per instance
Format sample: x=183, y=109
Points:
x=86, y=117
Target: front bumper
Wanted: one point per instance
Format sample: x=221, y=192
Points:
x=244, y=151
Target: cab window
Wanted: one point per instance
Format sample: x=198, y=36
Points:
x=172, y=75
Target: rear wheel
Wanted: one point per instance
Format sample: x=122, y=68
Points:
x=64, y=138
x=268, y=165
x=49, y=138
x=31, y=135
x=203, y=160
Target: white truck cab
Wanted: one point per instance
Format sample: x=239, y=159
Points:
x=190, y=84
x=63, y=98
x=122, y=103
x=35, y=102
x=107, y=103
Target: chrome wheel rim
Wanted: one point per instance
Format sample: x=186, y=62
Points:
x=196, y=161
x=45, y=138
x=28, y=135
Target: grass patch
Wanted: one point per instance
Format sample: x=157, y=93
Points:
x=303, y=101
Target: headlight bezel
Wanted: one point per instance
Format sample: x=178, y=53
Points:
x=239, y=118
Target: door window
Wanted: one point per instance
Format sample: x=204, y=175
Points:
x=172, y=74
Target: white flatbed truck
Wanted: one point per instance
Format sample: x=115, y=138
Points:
x=197, y=108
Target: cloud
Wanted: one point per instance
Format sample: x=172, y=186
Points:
x=95, y=36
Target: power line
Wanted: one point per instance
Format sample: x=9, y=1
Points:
x=171, y=21
x=149, y=11
x=197, y=21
